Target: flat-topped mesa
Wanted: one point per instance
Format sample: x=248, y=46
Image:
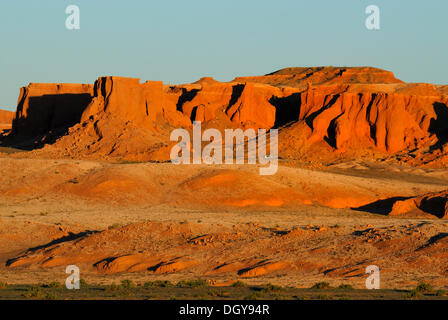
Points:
x=301, y=76
x=126, y=98
x=329, y=109
x=43, y=107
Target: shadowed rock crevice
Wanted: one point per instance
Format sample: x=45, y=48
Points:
x=439, y=125
x=383, y=207
x=287, y=109
x=187, y=95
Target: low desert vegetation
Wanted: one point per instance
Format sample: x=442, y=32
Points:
x=158, y=283
x=239, y=284
x=192, y=283
x=200, y=289
x=346, y=287
x=321, y=285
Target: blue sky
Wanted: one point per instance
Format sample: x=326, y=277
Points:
x=179, y=41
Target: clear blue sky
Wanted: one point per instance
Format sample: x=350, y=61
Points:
x=179, y=41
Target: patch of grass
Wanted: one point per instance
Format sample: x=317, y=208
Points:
x=254, y=296
x=33, y=292
x=412, y=294
x=54, y=284
x=323, y=297
x=192, y=283
x=321, y=285
x=83, y=283
x=158, y=283
x=50, y=296
x=239, y=284
x=113, y=287
x=74, y=181
x=271, y=288
x=346, y=287
x=424, y=288
x=223, y=294
x=127, y=284
x=3, y=285
x=441, y=293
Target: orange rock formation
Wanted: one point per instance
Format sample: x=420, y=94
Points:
x=329, y=110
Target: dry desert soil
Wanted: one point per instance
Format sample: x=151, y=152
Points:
x=158, y=221
x=86, y=180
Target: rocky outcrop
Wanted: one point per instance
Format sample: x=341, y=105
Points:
x=6, y=118
x=42, y=108
x=329, y=110
x=388, y=122
x=300, y=77
x=435, y=204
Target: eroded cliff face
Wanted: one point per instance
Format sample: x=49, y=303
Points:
x=435, y=203
x=42, y=108
x=321, y=112
x=6, y=117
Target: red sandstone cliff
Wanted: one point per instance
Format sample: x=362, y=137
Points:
x=321, y=112
x=6, y=117
x=44, y=107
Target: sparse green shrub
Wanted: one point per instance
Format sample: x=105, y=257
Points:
x=271, y=288
x=83, y=283
x=321, y=285
x=239, y=284
x=254, y=296
x=424, y=287
x=33, y=292
x=441, y=293
x=127, y=284
x=158, y=283
x=113, y=287
x=192, y=283
x=50, y=296
x=413, y=294
x=345, y=287
x=54, y=284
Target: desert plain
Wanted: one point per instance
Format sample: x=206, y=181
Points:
x=86, y=180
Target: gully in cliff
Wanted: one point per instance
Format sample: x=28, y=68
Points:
x=213, y=153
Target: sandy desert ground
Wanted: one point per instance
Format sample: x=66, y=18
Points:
x=146, y=221
x=86, y=179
